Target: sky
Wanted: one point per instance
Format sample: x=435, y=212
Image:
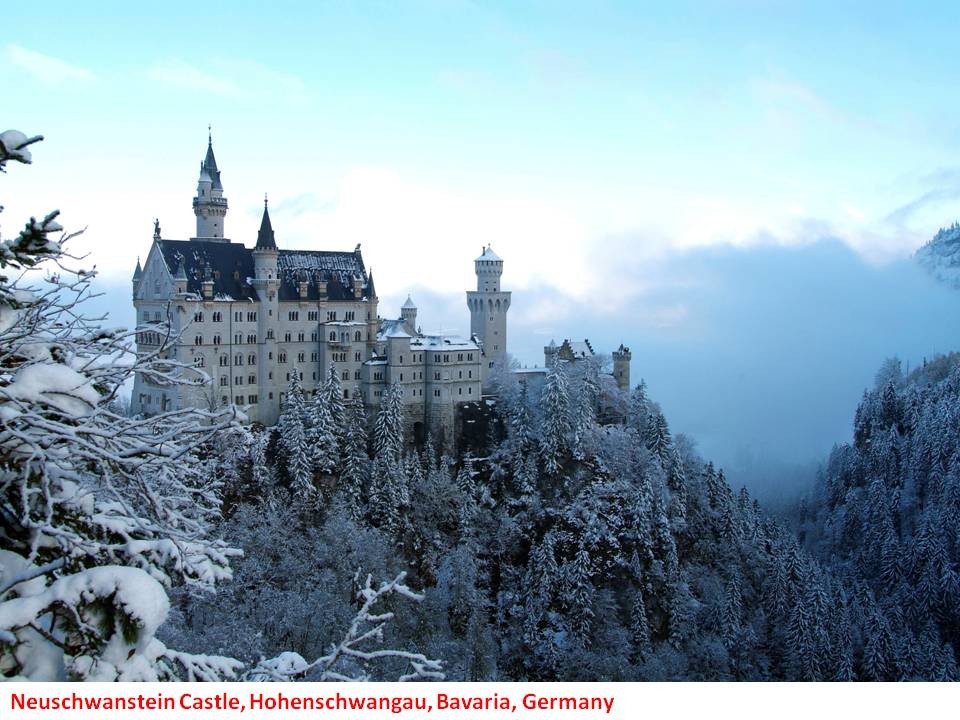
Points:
x=680, y=177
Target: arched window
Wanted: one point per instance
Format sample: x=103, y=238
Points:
x=333, y=336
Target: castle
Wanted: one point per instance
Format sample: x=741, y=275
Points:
x=249, y=318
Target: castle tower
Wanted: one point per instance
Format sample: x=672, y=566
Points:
x=488, y=310
x=210, y=206
x=266, y=280
x=408, y=313
x=621, y=367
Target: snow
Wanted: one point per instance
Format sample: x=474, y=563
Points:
x=489, y=255
x=439, y=341
x=9, y=315
x=14, y=142
x=53, y=384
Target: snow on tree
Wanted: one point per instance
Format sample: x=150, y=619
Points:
x=99, y=513
x=293, y=428
x=333, y=391
x=323, y=434
x=388, y=431
x=347, y=659
x=356, y=461
x=555, y=403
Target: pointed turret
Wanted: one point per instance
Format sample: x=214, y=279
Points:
x=373, y=290
x=138, y=271
x=408, y=313
x=265, y=238
x=209, y=205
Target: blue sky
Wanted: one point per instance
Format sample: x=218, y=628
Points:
x=595, y=145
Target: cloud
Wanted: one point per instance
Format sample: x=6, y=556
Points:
x=46, y=69
x=231, y=79
x=179, y=74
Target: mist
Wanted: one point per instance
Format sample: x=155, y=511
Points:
x=758, y=354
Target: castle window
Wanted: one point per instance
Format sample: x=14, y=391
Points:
x=460, y=357
x=469, y=391
x=312, y=316
x=198, y=362
x=446, y=358
x=469, y=356
x=356, y=336
x=238, y=380
x=251, y=317
x=333, y=337
x=238, y=399
x=270, y=396
x=286, y=337
x=198, y=317
x=216, y=339
x=156, y=316
x=293, y=315
x=300, y=337
x=469, y=374
x=401, y=377
x=252, y=379
x=436, y=376
x=356, y=374
x=459, y=391
x=346, y=394
x=238, y=359
x=269, y=334
x=346, y=375
x=436, y=392
x=282, y=358
x=251, y=359
x=299, y=357
x=223, y=381
x=224, y=361
x=198, y=340
x=313, y=336
x=237, y=316
x=270, y=355
x=356, y=356
x=218, y=317
x=251, y=399
x=331, y=315
x=401, y=359
x=460, y=375
x=224, y=399
x=237, y=338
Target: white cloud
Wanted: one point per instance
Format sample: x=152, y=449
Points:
x=179, y=74
x=44, y=68
x=234, y=79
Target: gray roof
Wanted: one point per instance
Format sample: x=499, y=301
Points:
x=210, y=165
x=265, y=237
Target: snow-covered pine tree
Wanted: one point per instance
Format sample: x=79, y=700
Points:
x=294, y=440
x=555, y=402
x=100, y=513
x=388, y=431
x=323, y=434
x=356, y=461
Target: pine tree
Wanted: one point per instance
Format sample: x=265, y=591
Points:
x=322, y=434
x=731, y=612
x=388, y=431
x=638, y=413
x=639, y=628
x=356, y=461
x=578, y=596
x=293, y=438
x=556, y=407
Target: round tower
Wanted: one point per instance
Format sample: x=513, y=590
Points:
x=209, y=205
x=488, y=310
x=621, y=367
x=408, y=313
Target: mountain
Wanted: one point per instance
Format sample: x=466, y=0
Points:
x=941, y=255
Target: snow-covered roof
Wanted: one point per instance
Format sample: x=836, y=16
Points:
x=489, y=254
x=439, y=341
x=409, y=305
x=398, y=332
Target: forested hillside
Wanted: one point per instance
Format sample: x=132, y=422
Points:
x=886, y=515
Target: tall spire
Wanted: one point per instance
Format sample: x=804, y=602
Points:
x=265, y=238
x=209, y=205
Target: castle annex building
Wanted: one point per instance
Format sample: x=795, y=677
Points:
x=250, y=317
